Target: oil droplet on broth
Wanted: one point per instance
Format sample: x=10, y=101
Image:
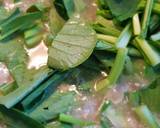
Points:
x=38, y=56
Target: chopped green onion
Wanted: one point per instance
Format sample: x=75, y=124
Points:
x=124, y=37
x=146, y=116
x=72, y=120
x=107, y=38
x=146, y=17
x=136, y=25
x=116, y=70
x=148, y=51
x=155, y=37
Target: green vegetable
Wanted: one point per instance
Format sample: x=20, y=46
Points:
x=20, y=23
x=70, y=7
x=12, y=118
x=122, y=9
x=107, y=38
x=69, y=49
x=55, y=21
x=146, y=17
x=155, y=37
x=53, y=106
x=116, y=70
x=149, y=52
x=124, y=37
x=41, y=93
x=74, y=121
x=146, y=116
x=34, y=35
x=136, y=25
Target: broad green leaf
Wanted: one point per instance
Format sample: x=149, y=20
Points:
x=73, y=44
x=12, y=118
x=123, y=9
x=53, y=106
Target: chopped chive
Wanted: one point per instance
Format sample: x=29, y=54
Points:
x=124, y=37
x=108, y=25
x=116, y=70
x=154, y=23
x=7, y=88
x=148, y=51
x=136, y=25
x=107, y=38
x=74, y=121
x=105, y=30
x=33, y=36
x=146, y=17
x=156, y=7
x=105, y=13
x=155, y=37
x=21, y=22
x=146, y=116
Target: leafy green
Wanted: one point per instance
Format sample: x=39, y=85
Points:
x=29, y=80
x=55, y=21
x=146, y=116
x=72, y=45
x=12, y=118
x=34, y=35
x=146, y=17
x=72, y=120
x=19, y=23
x=43, y=91
x=12, y=53
x=58, y=125
x=122, y=9
x=53, y=106
x=70, y=7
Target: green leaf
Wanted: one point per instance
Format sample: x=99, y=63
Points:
x=123, y=9
x=73, y=45
x=53, y=106
x=12, y=118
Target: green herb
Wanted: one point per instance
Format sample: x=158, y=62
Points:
x=122, y=9
x=146, y=17
x=74, y=121
x=146, y=116
x=19, y=23
x=53, y=106
x=116, y=70
x=69, y=49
